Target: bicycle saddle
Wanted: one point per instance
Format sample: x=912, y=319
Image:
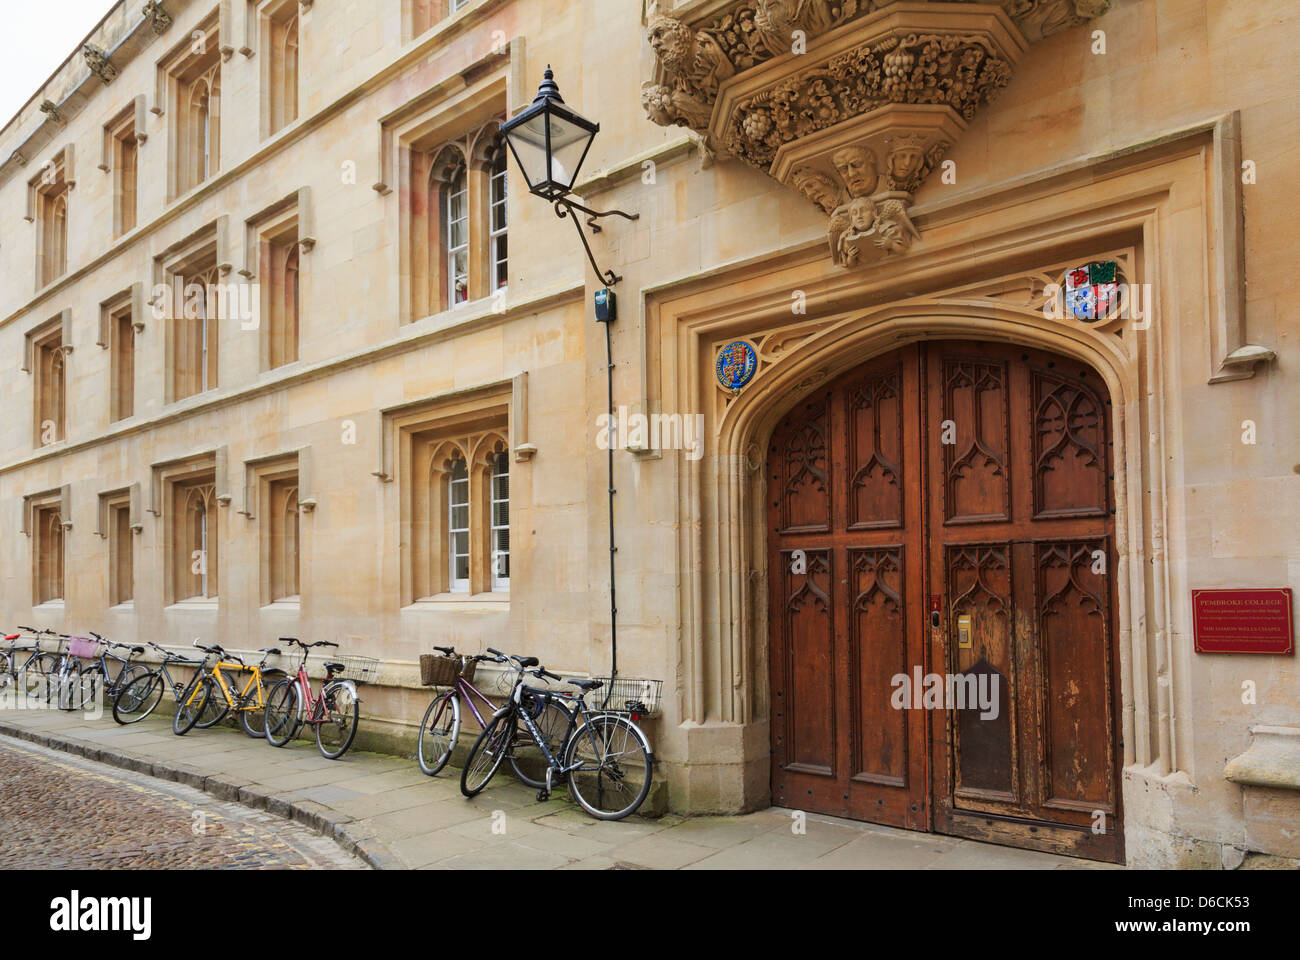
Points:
x=586, y=684
x=12, y=636
x=137, y=649
x=529, y=661
x=334, y=667
x=270, y=650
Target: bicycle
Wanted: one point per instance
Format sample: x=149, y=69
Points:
x=440, y=728
x=8, y=659
x=96, y=667
x=604, y=756
x=335, y=713
x=35, y=674
x=139, y=698
x=248, y=701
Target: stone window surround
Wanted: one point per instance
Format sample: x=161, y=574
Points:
x=111, y=501
x=211, y=242
x=259, y=474
x=131, y=121
x=56, y=180
x=34, y=341
x=261, y=18
x=131, y=302
x=291, y=218
x=417, y=436
x=34, y=504
x=171, y=71
x=164, y=478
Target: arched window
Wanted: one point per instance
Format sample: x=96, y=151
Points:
x=204, y=127
x=500, y=520
x=50, y=558
x=456, y=217
x=58, y=236
x=458, y=527
x=497, y=248
x=289, y=58
x=284, y=539
x=196, y=549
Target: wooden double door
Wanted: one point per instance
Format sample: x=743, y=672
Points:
x=941, y=567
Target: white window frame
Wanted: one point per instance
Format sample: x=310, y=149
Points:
x=499, y=266
x=500, y=469
x=457, y=190
x=458, y=485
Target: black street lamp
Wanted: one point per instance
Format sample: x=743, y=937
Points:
x=550, y=142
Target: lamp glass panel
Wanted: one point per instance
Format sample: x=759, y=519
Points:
x=568, y=146
x=529, y=142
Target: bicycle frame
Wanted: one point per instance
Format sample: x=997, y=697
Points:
x=253, y=681
x=463, y=689
x=579, y=714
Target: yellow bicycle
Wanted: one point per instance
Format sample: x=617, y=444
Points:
x=215, y=694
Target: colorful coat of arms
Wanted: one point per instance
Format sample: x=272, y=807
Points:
x=1092, y=292
x=737, y=364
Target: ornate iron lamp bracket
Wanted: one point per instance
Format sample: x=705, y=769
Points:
x=564, y=207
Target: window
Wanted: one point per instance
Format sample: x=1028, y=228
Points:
x=196, y=308
x=195, y=538
x=456, y=216
x=51, y=191
x=192, y=74
x=458, y=526
x=125, y=176
x=456, y=249
x=51, y=388
x=281, y=280
x=122, y=352
x=280, y=28
x=497, y=238
x=282, y=532
x=500, y=533
x=422, y=15
x=49, y=553
x=121, y=553
x=460, y=515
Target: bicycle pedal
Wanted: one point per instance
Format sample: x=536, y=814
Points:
x=543, y=795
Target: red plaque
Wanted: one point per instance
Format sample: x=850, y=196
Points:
x=1243, y=621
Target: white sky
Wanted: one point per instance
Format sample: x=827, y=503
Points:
x=36, y=37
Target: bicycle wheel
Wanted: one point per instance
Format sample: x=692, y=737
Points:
x=254, y=722
x=85, y=685
x=282, y=718
x=342, y=712
x=138, y=699
x=193, y=702
x=36, y=673
x=215, y=710
x=614, y=776
x=439, y=731
x=6, y=670
x=130, y=673
x=486, y=755
x=526, y=758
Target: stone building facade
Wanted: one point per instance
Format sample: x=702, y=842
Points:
x=877, y=250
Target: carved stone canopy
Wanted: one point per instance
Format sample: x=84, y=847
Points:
x=851, y=102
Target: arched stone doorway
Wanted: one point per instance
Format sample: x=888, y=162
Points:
x=945, y=513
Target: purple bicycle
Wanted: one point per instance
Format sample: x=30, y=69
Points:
x=441, y=726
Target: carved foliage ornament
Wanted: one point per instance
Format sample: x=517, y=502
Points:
x=851, y=102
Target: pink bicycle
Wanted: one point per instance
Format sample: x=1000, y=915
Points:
x=334, y=711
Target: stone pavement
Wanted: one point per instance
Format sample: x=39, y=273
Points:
x=384, y=810
x=62, y=812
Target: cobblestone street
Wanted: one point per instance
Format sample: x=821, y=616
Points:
x=61, y=812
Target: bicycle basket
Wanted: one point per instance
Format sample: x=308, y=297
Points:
x=442, y=671
x=85, y=649
x=359, y=669
x=628, y=695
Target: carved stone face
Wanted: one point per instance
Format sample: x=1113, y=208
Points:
x=672, y=42
x=817, y=187
x=857, y=168
x=905, y=162
x=862, y=214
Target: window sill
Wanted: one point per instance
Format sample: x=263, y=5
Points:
x=465, y=602
x=193, y=605
x=49, y=605
x=293, y=604
x=126, y=606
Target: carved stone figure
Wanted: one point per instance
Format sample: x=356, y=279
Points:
x=98, y=62
x=158, y=18
x=51, y=110
x=668, y=107
x=857, y=168
x=817, y=187
x=904, y=161
x=894, y=231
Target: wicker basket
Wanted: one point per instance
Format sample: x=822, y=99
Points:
x=438, y=671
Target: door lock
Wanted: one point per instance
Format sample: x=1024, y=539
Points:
x=963, y=631
x=935, y=603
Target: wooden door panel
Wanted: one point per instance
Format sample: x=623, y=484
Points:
x=974, y=438
x=1074, y=637
x=875, y=451
x=804, y=473
x=809, y=694
x=1069, y=449
x=878, y=649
